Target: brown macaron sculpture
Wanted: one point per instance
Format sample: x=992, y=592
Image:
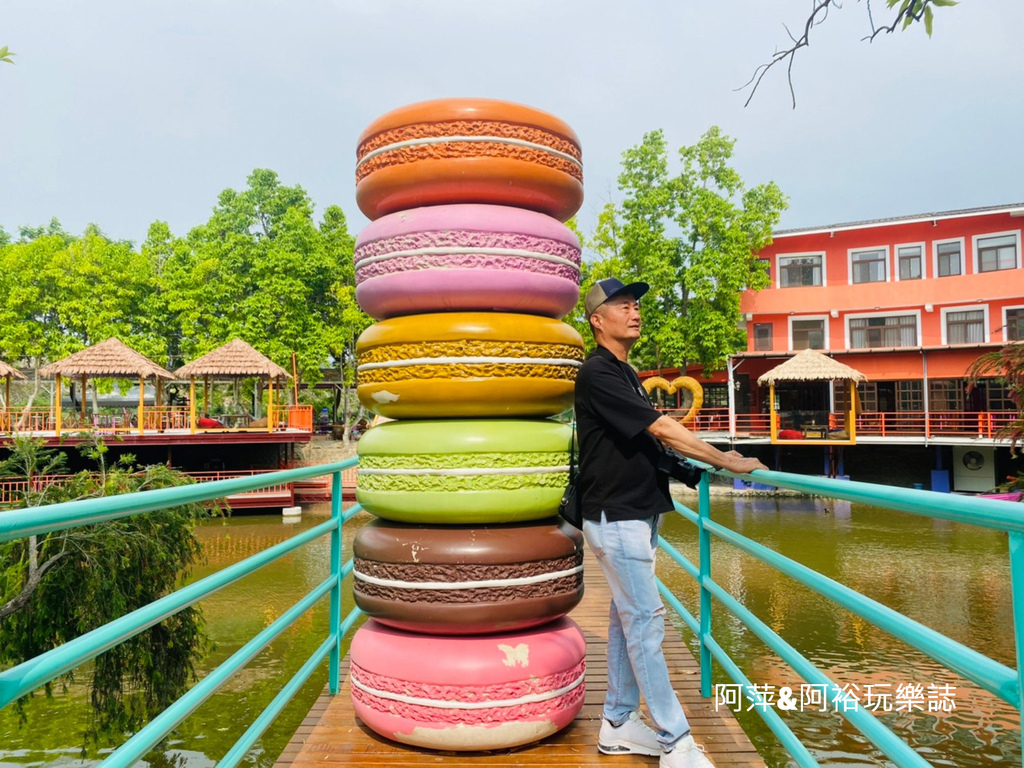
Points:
x=469, y=270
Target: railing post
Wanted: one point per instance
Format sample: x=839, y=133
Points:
x=1017, y=596
x=704, y=545
x=334, y=660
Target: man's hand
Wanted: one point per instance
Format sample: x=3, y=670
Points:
x=740, y=464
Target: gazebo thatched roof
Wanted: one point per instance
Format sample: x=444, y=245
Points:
x=7, y=370
x=811, y=365
x=108, y=358
x=235, y=359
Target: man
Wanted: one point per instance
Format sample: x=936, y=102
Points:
x=623, y=494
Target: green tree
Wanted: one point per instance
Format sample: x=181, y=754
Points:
x=59, y=294
x=260, y=269
x=694, y=237
x=1005, y=364
x=56, y=587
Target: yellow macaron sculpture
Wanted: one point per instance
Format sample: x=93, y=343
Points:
x=469, y=271
x=468, y=364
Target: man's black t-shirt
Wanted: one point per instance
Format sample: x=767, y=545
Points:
x=618, y=456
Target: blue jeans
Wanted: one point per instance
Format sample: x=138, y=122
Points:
x=636, y=626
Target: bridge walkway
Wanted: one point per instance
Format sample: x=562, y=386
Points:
x=331, y=735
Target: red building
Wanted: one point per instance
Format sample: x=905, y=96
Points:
x=910, y=302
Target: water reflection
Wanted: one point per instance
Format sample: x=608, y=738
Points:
x=52, y=736
x=952, y=578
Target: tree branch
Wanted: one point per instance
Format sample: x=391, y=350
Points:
x=819, y=13
x=910, y=12
x=35, y=577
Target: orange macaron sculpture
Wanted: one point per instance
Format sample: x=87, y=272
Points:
x=469, y=151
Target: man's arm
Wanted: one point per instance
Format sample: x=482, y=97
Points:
x=675, y=435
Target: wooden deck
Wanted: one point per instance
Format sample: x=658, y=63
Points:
x=331, y=735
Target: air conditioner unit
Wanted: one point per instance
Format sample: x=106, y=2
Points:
x=974, y=468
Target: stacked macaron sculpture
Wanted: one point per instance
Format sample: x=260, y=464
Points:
x=467, y=572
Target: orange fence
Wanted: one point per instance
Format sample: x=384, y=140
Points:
x=299, y=417
x=19, y=420
x=164, y=418
x=898, y=424
x=935, y=424
x=12, y=490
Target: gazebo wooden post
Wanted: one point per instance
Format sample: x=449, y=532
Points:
x=270, y=405
x=159, y=383
x=772, y=414
x=192, y=404
x=851, y=414
x=57, y=415
x=142, y=405
x=85, y=386
x=206, y=395
x=7, y=394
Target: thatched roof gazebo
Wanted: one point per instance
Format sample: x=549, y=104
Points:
x=234, y=360
x=111, y=358
x=810, y=365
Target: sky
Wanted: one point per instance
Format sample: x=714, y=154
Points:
x=120, y=113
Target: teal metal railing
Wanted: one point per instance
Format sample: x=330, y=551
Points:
x=997, y=678
x=32, y=674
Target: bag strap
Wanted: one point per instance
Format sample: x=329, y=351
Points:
x=573, y=466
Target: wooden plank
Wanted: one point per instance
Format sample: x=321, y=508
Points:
x=331, y=735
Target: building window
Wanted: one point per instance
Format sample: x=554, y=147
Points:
x=909, y=396
x=1015, y=324
x=892, y=331
x=800, y=270
x=716, y=396
x=949, y=259
x=762, y=337
x=998, y=396
x=867, y=395
x=808, y=334
x=946, y=394
x=909, y=259
x=868, y=266
x=996, y=253
x=965, y=327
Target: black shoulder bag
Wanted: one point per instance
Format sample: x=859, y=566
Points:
x=571, y=507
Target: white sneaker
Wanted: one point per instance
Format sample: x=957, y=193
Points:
x=685, y=754
x=633, y=737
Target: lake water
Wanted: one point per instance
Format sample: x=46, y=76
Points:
x=952, y=578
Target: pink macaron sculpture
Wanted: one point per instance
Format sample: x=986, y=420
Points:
x=468, y=257
x=468, y=268
x=468, y=693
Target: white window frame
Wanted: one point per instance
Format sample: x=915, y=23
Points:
x=867, y=249
x=896, y=260
x=891, y=313
x=935, y=256
x=987, y=333
x=778, y=268
x=984, y=236
x=789, y=329
x=1006, y=335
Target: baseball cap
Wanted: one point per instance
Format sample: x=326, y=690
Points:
x=609, y=288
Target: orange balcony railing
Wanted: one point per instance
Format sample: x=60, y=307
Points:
x=12, y=490
x=985, y=424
